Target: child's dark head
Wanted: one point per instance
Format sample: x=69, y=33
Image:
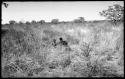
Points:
x=60, y=39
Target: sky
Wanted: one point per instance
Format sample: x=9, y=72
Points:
x=64, y=11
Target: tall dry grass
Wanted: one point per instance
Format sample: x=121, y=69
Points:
x=94, y=50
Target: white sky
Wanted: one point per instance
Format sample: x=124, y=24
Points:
x=64, y=11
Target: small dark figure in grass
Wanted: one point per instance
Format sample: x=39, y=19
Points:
x=63, y=42
x=54, y=42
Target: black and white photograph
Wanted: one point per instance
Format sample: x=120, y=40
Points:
x=62, y=39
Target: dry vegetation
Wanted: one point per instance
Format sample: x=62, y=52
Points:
x=93, y=50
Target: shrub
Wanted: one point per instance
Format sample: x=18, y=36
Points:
x=12, y=22
x=86, y=49
x=82, y=19
x=33, y=22
x=55, y=21
x=27, y=22
x=42, y=21
x=79, y=20
x=95, y=69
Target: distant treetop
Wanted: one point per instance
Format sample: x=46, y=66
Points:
x=79, y=20
x=114, y=13
x=12, y=21
x=55, y=21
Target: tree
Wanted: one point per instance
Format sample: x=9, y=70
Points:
x=42, y=21
x=12, y=22
x=55, y=21
x=82, y=19
x=20, y=22
x=27, y=22
x=114, y=13
x=33, y=22
x=79, y=20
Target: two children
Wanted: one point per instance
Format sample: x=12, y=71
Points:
x=61, y=42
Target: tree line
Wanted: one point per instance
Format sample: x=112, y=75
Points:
x=114, y=13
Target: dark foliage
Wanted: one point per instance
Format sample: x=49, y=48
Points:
x=8, y=71
x=63, y=42
x=114, y=13
x=55, y=21
x=12, y=22
x=42, y=21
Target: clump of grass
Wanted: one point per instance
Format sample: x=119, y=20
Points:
x=85, y=60
x=22, y=65
x=8, y=70
x=66, y=62
x=11, y=43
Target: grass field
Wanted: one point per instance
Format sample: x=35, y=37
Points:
x=93, y=49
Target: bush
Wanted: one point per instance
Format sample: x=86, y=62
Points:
x=79, y=20
x=82, y=20
x=42, y=21
x=86, y=49
x=12, y=22
x=33, y=22
x=55, y=21
x=27, y=22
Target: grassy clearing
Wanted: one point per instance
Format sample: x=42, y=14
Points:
x=94, y=50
